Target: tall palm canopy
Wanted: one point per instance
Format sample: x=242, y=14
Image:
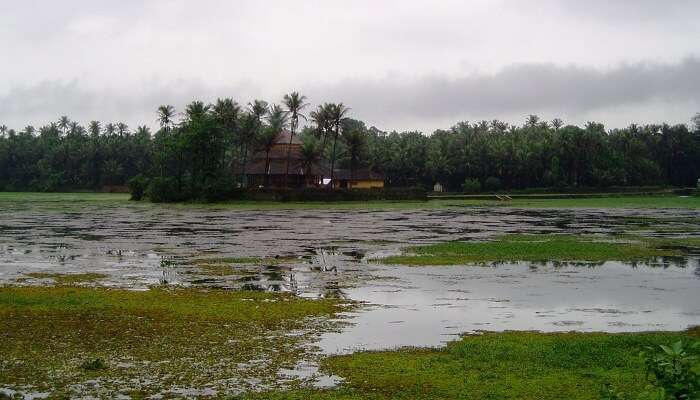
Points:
x=166, y=114
x=294, y=103
x=336, y=115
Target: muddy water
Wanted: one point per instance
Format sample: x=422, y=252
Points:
x=141, y=245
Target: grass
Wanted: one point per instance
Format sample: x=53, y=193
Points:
x=550, y=247
x=146, y=342
x=67, y=279
x=228, y=266
x=508, y=365
x=58, y=200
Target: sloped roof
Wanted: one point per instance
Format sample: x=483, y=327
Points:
x=284, y=135
x=278, y=167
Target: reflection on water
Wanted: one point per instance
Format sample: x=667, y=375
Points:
x=427, y=306
x=325, y=253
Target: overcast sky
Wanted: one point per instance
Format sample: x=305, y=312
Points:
x=399, y=65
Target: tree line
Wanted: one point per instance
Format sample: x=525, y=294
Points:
x=202, y=152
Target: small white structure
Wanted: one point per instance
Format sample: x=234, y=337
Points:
x=437, y=187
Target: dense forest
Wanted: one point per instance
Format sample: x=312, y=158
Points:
x=200, y=152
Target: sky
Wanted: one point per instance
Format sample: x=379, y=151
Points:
x=399, y=65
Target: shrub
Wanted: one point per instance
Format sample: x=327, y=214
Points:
x=673, y=369
x=163, y=190
x=220, y=189
x=492, y=183
x=323, y=194
x=93, y=365
x=137, y=186
x=471, y=186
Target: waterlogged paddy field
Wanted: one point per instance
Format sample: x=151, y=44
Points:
x=226, y=300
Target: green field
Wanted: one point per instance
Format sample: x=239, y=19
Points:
x=509, y=365
x=54, y=337
x=542, y=248
x=68, y=199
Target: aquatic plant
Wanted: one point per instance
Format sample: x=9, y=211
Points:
x=674, y=369
x=93, y=365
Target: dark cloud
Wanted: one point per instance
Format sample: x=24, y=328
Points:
x=520, y=88
x=134, y=104
x=392, y=102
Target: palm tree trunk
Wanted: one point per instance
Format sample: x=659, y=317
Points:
x=267, y=166
x=352, y=171
x=289, y=152
x=245, y=161
x=335, y=140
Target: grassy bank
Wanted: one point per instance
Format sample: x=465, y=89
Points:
x=148, y=342
x=65, y=340
x=54, y=200
x=551, y=247
x=510, y=365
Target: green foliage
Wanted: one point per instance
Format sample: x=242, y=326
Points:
x=53, y=339
x=213, y=141
x=674, y=369
x=471, y=186
x=326, y=195
x=492, y=183
x=543, y=248
x=93, y=365
x=220, y=189
x=164, y=190
x=508, y=365
x=137, y=186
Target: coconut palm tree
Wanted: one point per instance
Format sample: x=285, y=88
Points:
x=321, y=119
x=64, y=123
x=73, y=127
x=196, y=110
x=277, y=119
x=3, y=130
x=259, y=108
x=355, y=142
x=123, y=129
x=226, y=112
x=336, y=115
x=248, y=135
x=110, y=129
x=166, y=115
x=294, y=103
x=310, y=154
x=94, y=128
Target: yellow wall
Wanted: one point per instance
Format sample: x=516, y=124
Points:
x=366, y=184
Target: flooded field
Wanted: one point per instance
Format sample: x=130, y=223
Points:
x=333, y=254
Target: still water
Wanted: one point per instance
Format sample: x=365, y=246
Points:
x=331, y=253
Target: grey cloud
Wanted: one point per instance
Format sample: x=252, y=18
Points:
x=133, y=104
x=519, y=88
x=393, y=102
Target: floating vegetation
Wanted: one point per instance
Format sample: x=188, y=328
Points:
x=68, y=279
x=540, y=248
x=58, y=338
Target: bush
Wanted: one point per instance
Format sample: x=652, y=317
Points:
x=137, y=186
x=163, y=190
x=323, y=194
x=672, y=368
x=492, y=183
x=220, y=189
x=471, y=186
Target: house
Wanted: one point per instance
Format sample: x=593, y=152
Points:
x=360, y=178
x=268, y=170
